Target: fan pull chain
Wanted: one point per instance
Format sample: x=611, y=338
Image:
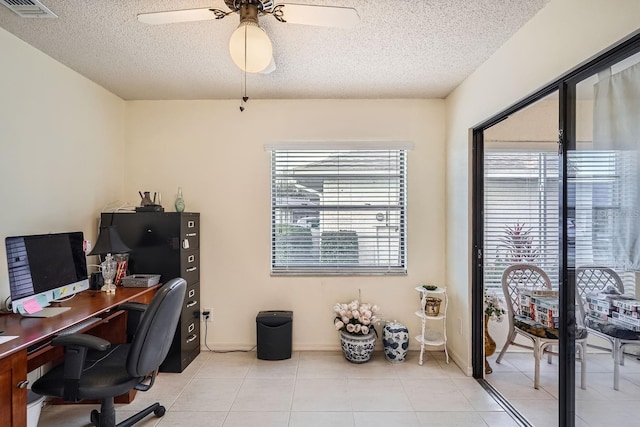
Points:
x=243, y=78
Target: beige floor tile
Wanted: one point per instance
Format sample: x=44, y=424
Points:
x=261, y=418
x=450, y=419
x=321, y=395
x=207, y=394
x=264, y=394
x=192, y=419
x=321, y=419
x=378, y=395
x=386, y=419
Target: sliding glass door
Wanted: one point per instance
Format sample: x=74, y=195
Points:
x=603, y=177
x=557, y=190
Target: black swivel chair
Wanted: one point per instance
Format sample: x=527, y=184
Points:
x=94, y=369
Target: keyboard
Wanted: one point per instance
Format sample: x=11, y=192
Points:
x=79, y=326
x=70, y=330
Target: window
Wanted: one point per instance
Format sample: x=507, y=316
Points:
x=338, y=211
x=521, y=209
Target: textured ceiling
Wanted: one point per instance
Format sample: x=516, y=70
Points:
x=400, y=49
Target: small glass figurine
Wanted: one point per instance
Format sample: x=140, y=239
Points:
x=179, y=201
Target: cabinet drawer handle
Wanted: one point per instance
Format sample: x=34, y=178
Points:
x=191, y=303
x=192, y=292
x=191, y=258
x=189, y=270
x=22, y=384
x=191, y=234
x=191, y=327
x=191, y=224
x=190, y=338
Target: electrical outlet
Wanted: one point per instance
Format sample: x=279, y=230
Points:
x=207, y=314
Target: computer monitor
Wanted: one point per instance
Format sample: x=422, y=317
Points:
x=45, y=267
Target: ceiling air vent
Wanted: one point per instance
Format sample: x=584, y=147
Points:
x=29, y=8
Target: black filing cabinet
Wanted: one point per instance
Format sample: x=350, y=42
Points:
x=167, y=243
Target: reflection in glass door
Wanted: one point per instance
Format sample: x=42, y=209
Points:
x=521, y=216
x=603, y=174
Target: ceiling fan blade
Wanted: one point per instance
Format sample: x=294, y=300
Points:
x=324, y=16
x=172, y=16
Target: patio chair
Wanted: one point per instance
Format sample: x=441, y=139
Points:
x=595, y=279
x=526, y=277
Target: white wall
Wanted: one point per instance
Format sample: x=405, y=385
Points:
x=216, y=153
x=61, y=139
x=562, y=35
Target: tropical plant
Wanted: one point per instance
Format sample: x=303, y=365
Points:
x=517, y=244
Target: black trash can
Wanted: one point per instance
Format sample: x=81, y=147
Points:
x=274, y=330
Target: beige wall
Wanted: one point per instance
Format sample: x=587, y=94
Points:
x=69, y=147
x=61, y=139
x=216, y=153
x=562, y=35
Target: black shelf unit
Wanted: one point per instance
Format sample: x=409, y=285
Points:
x=167, y=243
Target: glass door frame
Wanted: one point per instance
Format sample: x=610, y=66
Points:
x=566, y=88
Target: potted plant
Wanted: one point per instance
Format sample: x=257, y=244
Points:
x=493, y=310
x=356, y=323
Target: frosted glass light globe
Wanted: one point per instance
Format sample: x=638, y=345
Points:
x=259, y=50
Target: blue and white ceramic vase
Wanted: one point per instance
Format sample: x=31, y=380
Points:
x=395, y=341
x=357, y=348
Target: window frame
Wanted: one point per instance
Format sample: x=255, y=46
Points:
x=371, y=255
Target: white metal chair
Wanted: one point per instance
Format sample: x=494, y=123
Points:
x=595, y=279
x=526, y=277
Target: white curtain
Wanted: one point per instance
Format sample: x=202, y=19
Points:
x=616, y=127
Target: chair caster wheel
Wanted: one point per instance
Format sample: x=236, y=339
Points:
x=95, y=417
x=159, y=411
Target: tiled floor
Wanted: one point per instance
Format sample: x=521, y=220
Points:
x=310, y=389
x=597, y=406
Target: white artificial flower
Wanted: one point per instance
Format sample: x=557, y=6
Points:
x=355, y=314
x=365, y=330
x=345, y=319
x=351, y=327
x=358, y=327
x=339, y=325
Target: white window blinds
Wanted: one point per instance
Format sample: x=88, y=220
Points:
x=338, y=211
x=521, y=215
x=520, y=212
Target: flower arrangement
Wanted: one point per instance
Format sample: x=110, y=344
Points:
x=493, y=307
x=355, y=318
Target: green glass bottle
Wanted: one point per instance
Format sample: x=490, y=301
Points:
x=179, y=201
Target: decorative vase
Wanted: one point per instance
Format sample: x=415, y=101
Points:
x=489, y=346
x=395, y=341
x=357, y=348
x=179, y=201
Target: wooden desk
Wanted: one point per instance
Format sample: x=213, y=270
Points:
x=16, y=361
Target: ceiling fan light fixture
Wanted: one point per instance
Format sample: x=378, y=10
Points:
x=250, y=47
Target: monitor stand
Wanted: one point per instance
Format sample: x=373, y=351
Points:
x=48, y=312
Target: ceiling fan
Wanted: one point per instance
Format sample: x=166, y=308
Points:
x=250, y=46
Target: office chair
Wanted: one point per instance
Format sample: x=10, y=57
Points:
x=526, y=277
x=95, y=369
x=595, y=279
